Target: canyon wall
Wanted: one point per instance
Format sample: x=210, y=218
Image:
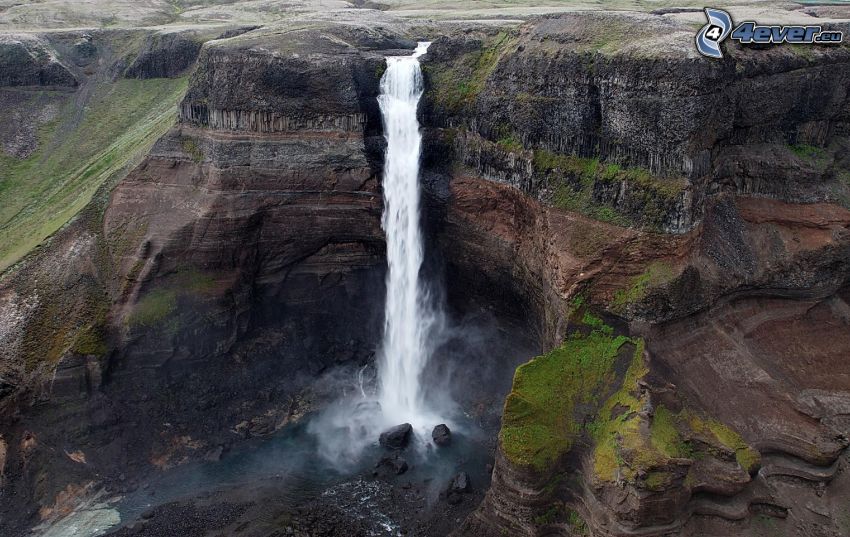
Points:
x=611, y=192
x=710, y=427
x=200, y=300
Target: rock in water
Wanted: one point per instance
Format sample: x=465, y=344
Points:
x=441, y=435
x=396, y=437
x=460, y=483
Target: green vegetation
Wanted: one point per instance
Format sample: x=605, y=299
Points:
x=538, y=423
x=618, y=422
x=91, y=341
x=153, y=308
x=623, y=449
x=657, y=480
x=510, y=143
x=549, y=516
x=812, y=155
x=191, y=148
x=806, y=151
x=574, y=179
x=747, y=457
x=380, y=69
x=192, y=280
x=665, y=435
x=577, y=524
x=39, y=194
x=458, y=85
x=157, y=305
x=591, y=170
x=656, y=274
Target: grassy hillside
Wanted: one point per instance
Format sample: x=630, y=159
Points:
x=39, y=194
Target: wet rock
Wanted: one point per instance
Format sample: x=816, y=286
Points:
x=214, y=455
x=242, y=429
x=392, y=465
x=441, y=435
x=396, y=437
x=459, y=484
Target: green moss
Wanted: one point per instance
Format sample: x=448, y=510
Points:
x=806, y=151
x=191, y=148
x=657, y=480
x=656, y=274
x=458, y=85
x=380, y=69
x=546, y=161
x=549, y=516
x=573, y=178
x=156, y=308
x=195, y=281
x=577, y=524
x=617, y=424
x=747, y=457
x=153, y=308
x=91, y=341
x=665, y=435
x=67, y=318
x=120, y=122
x=510, y=143
x=538, y=425
x=596, y=323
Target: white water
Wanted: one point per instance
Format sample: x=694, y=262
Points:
x=411, y=321
x=409, y=315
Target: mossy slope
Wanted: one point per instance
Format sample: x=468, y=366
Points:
x=39, y=194
x=539, y=424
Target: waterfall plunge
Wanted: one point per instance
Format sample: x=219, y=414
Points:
x=411, y=322
x=409, y=316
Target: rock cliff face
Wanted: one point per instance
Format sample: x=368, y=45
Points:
x=27, y=60
x=688, y=439
x=607, y=86
x=698, y=380
x=166, y=55
x=235, y=260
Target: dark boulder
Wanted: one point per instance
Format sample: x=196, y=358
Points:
x=441, y=435
x=391, y=465
x=459, y=483
x=396, y=437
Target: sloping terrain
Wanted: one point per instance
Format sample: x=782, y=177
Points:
x=206, y=195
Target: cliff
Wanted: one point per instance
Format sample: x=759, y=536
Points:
x=617, y=116
x=675, y=242
x=687, y=419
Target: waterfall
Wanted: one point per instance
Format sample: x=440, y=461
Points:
x=411, y=320
x=409, y=315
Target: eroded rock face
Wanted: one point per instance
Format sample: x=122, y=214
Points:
x=231, y=267
x=244, y=257
x=27, y=60
x=755, y=352
x=558, y=87
x=166, y=55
